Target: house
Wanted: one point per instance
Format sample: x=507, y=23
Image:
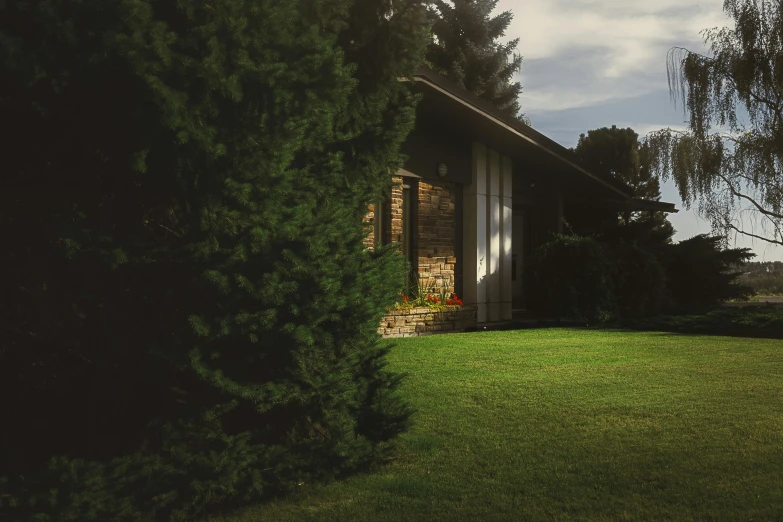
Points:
x=479, y=191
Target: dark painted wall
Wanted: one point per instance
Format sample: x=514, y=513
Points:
x=427, y=146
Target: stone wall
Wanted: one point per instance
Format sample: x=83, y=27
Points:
x=426, y=321
x=437, y=233
x=435, y=205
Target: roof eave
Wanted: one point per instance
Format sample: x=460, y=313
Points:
x=439, y=83
x=655, y=206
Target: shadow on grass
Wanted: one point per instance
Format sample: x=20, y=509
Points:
x=763, y=322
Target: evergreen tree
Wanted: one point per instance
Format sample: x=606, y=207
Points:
x=636, y=261
x=616, y=153
x=613, y=152
x=465, y=48
x=702, y=273
x=189, y=310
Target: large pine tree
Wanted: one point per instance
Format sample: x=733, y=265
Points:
x=616, y=153
x=189, y=314
x=465, y=48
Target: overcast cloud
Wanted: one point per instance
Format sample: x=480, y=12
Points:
x=596, y=63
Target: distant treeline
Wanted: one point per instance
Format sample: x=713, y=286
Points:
x=764, y=277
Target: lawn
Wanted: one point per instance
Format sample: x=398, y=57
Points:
x=567, y=424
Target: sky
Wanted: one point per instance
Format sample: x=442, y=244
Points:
x=597, y=63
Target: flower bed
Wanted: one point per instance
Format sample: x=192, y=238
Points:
x=416, y=321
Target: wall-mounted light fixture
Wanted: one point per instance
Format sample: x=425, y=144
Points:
x=442, y=169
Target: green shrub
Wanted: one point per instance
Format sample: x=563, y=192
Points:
x=702, y=274
x=189, y=315
x=572, y=277
x=639, y=281
x=632, y=272
x=765, y=321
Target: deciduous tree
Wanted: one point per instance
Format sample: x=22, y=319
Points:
x=729, y=162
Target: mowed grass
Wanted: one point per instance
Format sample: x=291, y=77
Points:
x=568, y=424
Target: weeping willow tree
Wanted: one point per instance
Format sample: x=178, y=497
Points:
x=729, y=162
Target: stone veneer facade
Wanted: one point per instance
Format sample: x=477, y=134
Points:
x=437, y=234
x=436, y=229
x=426, y=321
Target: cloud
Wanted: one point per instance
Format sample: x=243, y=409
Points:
x=643, y=113
x=597, y=63
x=578, y=53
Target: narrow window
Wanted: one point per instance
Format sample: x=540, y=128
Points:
x=396, y=222
x=409, y=243
x=406, y=221
x=380, y=225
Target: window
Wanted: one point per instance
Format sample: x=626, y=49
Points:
x=395, y=222
x=381, y=221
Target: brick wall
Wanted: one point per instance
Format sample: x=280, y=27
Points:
x=437, y=233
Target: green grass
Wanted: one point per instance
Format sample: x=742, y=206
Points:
x=566, y=424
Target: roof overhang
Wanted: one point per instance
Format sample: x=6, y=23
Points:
x=456, y=107
x=655, y=206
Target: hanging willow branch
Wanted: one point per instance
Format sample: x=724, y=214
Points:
x=730, y=159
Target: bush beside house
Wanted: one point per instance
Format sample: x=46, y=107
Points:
x=608, y=277
x=572, y=277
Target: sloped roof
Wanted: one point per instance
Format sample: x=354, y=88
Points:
x=524, y=135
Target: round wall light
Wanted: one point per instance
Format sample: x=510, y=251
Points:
x=442, y=169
